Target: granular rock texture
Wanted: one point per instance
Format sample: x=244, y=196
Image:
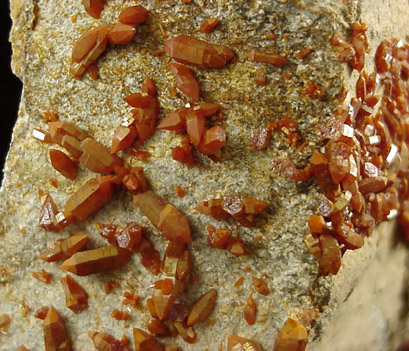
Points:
x=43, y=36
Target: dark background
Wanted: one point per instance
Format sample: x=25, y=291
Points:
x=10, y=85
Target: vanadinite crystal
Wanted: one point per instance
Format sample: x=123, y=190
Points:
x=121, y=33
x=291, y=337
x=169, y=220
x=361, y=168
x=106, y=342
x=185, y=80
x=98, y=260
x=145, y=342
x=237, y=343
x=134, y=15
x=202, y=307
x=93, y=7
x=197, y=52
x=64, y=248
x=267, y=57
x=87, y=50
x=242, y=209
x=89, y=198
x=75, y=296
x=56, y=337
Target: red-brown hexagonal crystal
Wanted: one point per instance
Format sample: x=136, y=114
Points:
x=261, y=286
x=189, y=50
x=213, y=207
x=64, y=248
x=89, y=198
x=177, y=261
x=373, y=184
x=130, y=237
x=87, y=50
x=267, y=57
x=76, y=298
x=145, y=120
x=285, y=168
x=148, y=87
x=176, y=120
x=233, y=205
x=139, y=100
x=195, y=126
x=121, y=33
x=48, y=212
x=320, y=169
x=72, y=145
x=338, y=155
x=155, y=326
x=330, y=260
x=107, y=231
x=98, y=260
x=291, y=337
x=106, y=342
x=145, y=342
x=164, y=299
x=209, y=108
x=185, y=80
x=97, y=158
x=41, y=313
x=55, y=333
x=151, y=205
x=202, y=308
x=63, y=164
x=185, y=331
x=133, y=15
x=253, y=205
x=209, y=24
x=237, y=343
x=174, y=225
x=217, y=237
x=93, y=7
x=250, y=310
x=213, y=140
x=123, y=138
x=235, y=246
x=59, y=129
x=150, y=257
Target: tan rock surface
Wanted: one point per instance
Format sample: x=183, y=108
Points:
x=43, y=35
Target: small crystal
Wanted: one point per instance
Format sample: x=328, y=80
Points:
x=353, y=168
x=60, y=217
x=202, y=307
x=369, y=130
x=292, y=336
x=189, y=50
x=371, y=170
x=392, y=153
x=348, y=131
x=392, y=214
x=128, y=120
x=39, y=134
x=374, y=140
x=134, y=15
x=343, y=201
